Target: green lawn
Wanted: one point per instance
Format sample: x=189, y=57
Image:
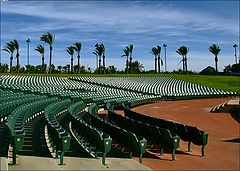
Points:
x=229, y=83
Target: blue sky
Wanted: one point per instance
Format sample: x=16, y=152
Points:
x=196, y=24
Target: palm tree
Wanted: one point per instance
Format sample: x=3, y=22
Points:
x=235, y=50
x=70, y=51
x=126, y=53
x=10, y=49
x=77, y=47
x=183, y=50
x=215, y=49
x=15, y=44
x=103, y=56
x=41, y=50
x=48, y=38
x=137, y=67
x=154, y=51
x=130, y=54
x=99, y=51
x=165, y=46
x=160, y=62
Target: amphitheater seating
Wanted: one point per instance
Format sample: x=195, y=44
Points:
x=186, y=133
x=25, y=97
x=7, y=106
x=58, y=136
x=19, y=117
x=154, y=134
x=133, y=142
x=93, y=140
x=167, y=87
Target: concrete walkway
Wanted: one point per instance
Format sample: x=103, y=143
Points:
x=3, y=163
x=74, y=163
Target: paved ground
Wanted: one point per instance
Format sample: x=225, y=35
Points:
x=74, y=163
x=222, y=151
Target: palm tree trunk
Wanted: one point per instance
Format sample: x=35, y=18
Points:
x=78, y=63
x=216, y=64
x=186, y=64
x=159, y=65
x=17, y=56
x=11, y=58
x=127, y=65
x=104, y=64
x=71, y=63
x=42, y=63
x=130, y=65
x=99, y=65
x=96, y=62
x=155, y=64
x=183, y=64
x=50, y=60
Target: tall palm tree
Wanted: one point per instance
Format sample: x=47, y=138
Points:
x=10, y=49
x=70, y=51
x=15, y=44
x=49, y=39
x=165, y=51
x=215, y=49
x=104, y=57
x=183, y=50
x=160, y=62
x=154, y=51
x=235, y=50
x=41, y=50
x=130, y=58
x=126, y=53
x=99, y=51
x=77, y=47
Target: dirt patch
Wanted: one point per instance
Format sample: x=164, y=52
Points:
x=222, y=152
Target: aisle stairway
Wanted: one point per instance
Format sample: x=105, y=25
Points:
x=34, y=141
x=4, y=143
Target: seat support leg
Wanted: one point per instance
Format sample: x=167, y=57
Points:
x=140, y=157
x=61, y=158
x=104, y=159
x=189, y=146
x=161, y=151
x=130, y=155
x=173, y=155
x=203, y=151
x=14, y=156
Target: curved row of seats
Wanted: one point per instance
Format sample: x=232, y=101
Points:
x=165, y=86
x=19, y=117
x=6, y=107
x=154, y=134
x=58, y=136
x=93, y=140
x=187, y=133
x=20, y=96
x=129, y=140
x=66, y=88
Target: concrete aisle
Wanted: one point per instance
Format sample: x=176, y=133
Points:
x=75, y=163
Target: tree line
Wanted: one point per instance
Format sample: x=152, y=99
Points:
x=99, y=51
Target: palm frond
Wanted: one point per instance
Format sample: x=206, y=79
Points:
x=70, y=50
x=77, y=46
x=40, y=49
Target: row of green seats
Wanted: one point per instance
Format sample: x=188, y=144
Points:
x=60, y=139
x=129, y=140
x=6, y=107
x=19, y=117
x=187, y=133
x=154, y=134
